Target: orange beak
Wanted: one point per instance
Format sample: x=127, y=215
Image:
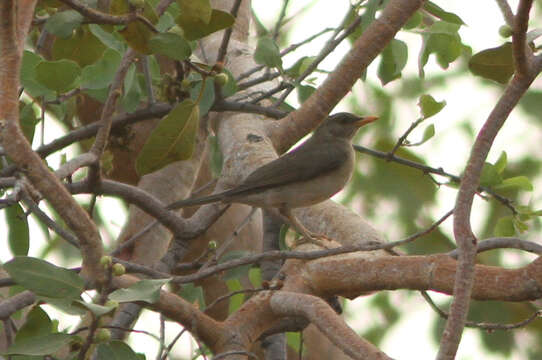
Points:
x=366, y=120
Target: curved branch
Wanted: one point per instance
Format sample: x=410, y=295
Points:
x=465, y=239
x=318, y=312
x=20, y=151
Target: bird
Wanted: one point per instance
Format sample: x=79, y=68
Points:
x=311, y=173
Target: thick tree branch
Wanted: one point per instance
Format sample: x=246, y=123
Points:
x=20, y=151
x=318, y=312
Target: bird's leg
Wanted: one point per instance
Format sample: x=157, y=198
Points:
x=307, y=235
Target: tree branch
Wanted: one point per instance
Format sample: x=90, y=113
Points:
x=318, y=312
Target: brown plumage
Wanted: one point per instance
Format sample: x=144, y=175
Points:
x=311, y=173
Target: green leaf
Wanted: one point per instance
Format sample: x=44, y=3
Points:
x=136, y=34
x=64, y=305
x=505, y=227
x=267, y=53
x=40, y=345
x=437, y=11
x=495, y=64
x=303, y=92
x=62, y=24
x=193, y=294
x=44, y=278
x=207, y=99
x=100, y=74
x=500, y=165
x=490, y=176
x=97, y=310
x=300, y=66
x=236, y=300
x=132, y=90
x=443, y=40
x=429, y=106
x=520, y=226
x=515, y=183
x=82, y=47
x=28, y=120
x=414, y=21
x=18, y=233
x=28, y=76
x=60, y=76
x=37, y=324
x=116, y=350
x=195, y=29
x=171, y=45
x=215, y=156
x=393, y=60
x=196, y=10
x=145, y=290
x=107, y=38
x=428, y=133
x=173, y=139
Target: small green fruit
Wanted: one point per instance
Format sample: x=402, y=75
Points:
x=118, y=269
x=505, y=31
x=221, y=79
x=106, y=261
x=102, y=336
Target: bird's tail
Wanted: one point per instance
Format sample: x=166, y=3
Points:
x=196, y=201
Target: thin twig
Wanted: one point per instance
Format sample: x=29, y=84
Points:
x=483, y=325
x=223, y=50
x=328, y=49
x=278, y=24
x=432, y=170
x=506, y=12
x=286, y=51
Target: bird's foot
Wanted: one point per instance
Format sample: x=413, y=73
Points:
x=316, y=239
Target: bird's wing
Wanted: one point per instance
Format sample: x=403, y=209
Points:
x=299, y=165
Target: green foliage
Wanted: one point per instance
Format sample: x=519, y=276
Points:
x=136, y=33
x=195, y=28
x=429, y=106
x=173, y=139
x=267, y=53
x=116, y=350
x=392, y=61
x=495, y=64
x=443, y=40
x=100, y=74
x=147, y=290
x=39, y=345
x=59, y=76
x=171, y=45
x=63, y=24
x=83, y=47
x=44, y=278
x=18, y=232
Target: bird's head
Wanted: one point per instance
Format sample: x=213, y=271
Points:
x=344, y=125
